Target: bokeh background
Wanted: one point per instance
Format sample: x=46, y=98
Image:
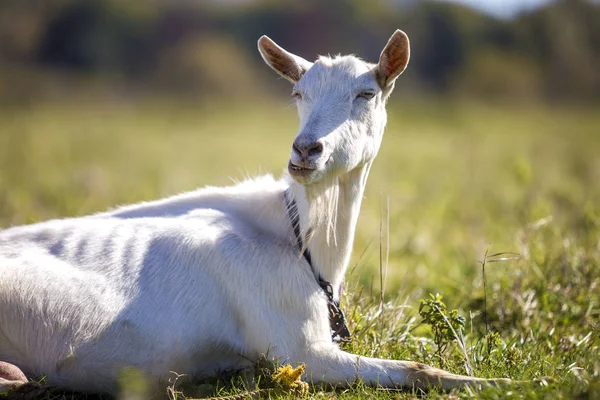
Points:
x=493, y=140
x=531, y=50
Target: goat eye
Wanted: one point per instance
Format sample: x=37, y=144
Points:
x=367, y=94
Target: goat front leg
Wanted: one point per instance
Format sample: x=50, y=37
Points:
x=336, y=367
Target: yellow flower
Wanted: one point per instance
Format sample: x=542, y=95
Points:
x=288, y=379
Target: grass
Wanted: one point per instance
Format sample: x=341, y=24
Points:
x=462, y=180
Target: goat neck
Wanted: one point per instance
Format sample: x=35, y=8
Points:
x=328, y=213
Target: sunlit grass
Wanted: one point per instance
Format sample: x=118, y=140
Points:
x=460, y=178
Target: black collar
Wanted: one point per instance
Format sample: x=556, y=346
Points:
x=337, y=321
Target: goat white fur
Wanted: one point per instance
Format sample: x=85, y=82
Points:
x=211, y=279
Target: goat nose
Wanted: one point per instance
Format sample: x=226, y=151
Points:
x=307, y=149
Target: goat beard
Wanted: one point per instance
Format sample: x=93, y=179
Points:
x=323, y=211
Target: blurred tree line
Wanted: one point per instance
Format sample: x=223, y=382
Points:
x=208, y=48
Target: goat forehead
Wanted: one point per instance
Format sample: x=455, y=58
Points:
x=339, y=73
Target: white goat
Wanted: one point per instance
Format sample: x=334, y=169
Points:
x=214, y=278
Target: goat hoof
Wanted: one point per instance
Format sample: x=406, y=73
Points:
x=11, y=377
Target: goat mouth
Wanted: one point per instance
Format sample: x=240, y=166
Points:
x=297, y=170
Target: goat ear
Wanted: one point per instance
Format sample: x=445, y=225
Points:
x=393, y=59
x=286, y=64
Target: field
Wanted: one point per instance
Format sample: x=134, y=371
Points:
x=454, y=181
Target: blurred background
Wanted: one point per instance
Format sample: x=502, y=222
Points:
x=493, y=135
x=534, y=50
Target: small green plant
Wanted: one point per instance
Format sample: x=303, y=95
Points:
x=513, y=357
x=492, y=341
x=445, y=324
